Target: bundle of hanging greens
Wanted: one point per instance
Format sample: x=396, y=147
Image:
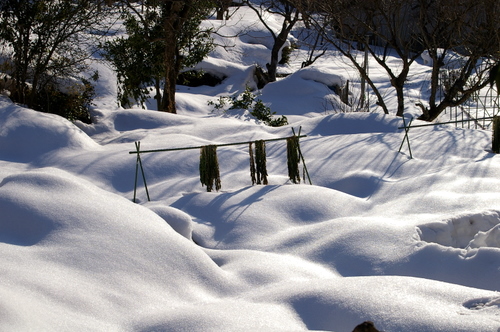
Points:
x=293, y=158
x=258, y=168
x=209, y=168
x=252, y=163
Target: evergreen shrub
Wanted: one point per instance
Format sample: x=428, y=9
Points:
x=248, y=101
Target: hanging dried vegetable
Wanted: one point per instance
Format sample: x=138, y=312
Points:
x=209, y=168
x=293, y=158
x=252, y=163
x=258, y=169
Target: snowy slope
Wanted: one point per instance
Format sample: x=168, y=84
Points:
x=411, y=244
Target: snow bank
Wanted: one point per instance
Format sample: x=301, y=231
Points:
x=423, y=305
x=466, y=231
x=490, y=238
x=95, y=256
x=181, y=222
x=325, y=75
x=309, y=91
x=25, y=134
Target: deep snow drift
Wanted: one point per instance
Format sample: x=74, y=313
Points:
x=410, y=244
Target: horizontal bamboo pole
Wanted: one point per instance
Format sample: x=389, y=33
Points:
x=218, y=145
x=440, y=123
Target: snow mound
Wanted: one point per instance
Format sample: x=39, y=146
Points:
x=483, y=303
x=72, y=236
x=181, y=222
x=23, y=223
x=224, y=316
x=490, y=238
x=288, y=96
x=222, y=68
x=338, y=304
x=22, y=129
x=361, y=184
x=308, y=91
x=247, y=215
x=236, y=76
x=323, y=74
x=466, y=231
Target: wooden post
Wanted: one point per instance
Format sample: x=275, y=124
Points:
x=302, y=156
x=495, y=146
x=138, y=163
x=407, y=138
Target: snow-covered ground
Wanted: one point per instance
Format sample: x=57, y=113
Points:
x=410, y=244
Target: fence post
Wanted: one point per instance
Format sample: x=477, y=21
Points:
x=495, y=146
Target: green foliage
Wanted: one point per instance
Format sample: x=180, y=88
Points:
x=247, y=101
x=73, y=104
x=243, y=101
x=140, y=59
x=42, y=42
x=263, y=112
x=195, y=43
x=286, y=52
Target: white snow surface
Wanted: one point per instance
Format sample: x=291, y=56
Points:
x=410, y=244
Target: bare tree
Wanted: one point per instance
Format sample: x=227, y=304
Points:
x=290, y=14
x=316, y=46
x=378, y=27
x=468, y=28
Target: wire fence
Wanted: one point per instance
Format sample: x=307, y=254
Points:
x=477, y=112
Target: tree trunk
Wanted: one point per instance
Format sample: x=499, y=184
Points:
x=275, y=51
x=401, y=101
x=220, y=14
x=290, y=17
x=175, y=13
x=158, y=93
x=222, y=8
x=433, y=112
x=168, y=98
x=457, y=94
x=398, y=84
